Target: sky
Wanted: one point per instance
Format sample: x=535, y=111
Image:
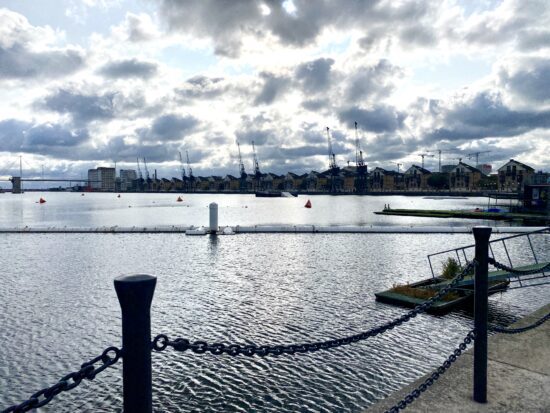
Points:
x=87, y=83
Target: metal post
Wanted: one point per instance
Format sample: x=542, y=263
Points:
x=135, y=294
x=481, y=293
x=213, y=217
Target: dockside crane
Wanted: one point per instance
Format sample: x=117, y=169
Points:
x=242, y=172
x=476, y=155
x=361, y=167
x=183, y=175
x=147, y=177
x=440, y=151
x=190, y=171
x=257, y=173
x=425, y=155
x=333, y=167
x=140, y=176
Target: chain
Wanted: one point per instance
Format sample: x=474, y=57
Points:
x=412, y=396
x=161, y=341
x=87, y=371
x=503, y=267
x=521, y=329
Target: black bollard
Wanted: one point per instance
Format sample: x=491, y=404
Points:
x=135, y=294
x=481, y=304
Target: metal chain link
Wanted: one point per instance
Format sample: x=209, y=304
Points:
x=503, y=267
x=518, y=330
x=161, y=341
x=87, y=371
x=412, y=396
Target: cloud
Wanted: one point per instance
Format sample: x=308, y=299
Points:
x=170, y=127
x=82, y=107
x=202, y=87
x=373, y=82
x=484, y=115
x=129, y=68
x=23, y=54
x=315, y=76
x=378, y=119
x=273, y=87
x=530, y=81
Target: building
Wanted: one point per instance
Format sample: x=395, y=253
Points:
x=513, y=175
x=464, y=177
x=416, y=178
x=383, y=180
x=102, y=179
x=127, y=178
x=536, y=197
x=485, y=168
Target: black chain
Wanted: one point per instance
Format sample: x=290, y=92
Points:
x=503, y=267
x=520, y=329
x=412, y=396
x=87, y=371
x=161, y=341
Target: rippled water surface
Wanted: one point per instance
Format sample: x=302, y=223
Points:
x=59, y=308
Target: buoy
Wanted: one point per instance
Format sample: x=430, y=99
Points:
x=179, y=199
x=118, y=196
x=42, y=200
x=308, y=204
x=81, y=194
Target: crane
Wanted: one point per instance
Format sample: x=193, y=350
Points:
x=331, y=157
x=440, y=151
x=361, y=183
x=476, y=155
x=190, y=172
x=147, y=177
x=257, y=173
x=139, y=170
x=242, y=172
x=425, y=155
x=398, y=166
x=183, y=176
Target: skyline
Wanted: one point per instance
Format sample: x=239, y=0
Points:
x=92, y=82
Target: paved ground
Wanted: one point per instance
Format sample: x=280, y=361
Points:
x=518, y=379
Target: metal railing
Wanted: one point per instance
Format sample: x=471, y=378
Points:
x=135, y=295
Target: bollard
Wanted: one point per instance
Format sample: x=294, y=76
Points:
x=135, y=294
x=481, y=294
x=213, y=217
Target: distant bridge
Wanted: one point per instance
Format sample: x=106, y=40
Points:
x=16, y=181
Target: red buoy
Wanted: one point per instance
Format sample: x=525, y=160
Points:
x=42, y=200
x=308, y=204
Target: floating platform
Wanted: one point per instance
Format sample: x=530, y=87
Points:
x=456, y=298
x=268, y=229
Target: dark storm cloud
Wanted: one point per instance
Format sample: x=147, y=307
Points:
x=372, y=81
x=486, y=116
x=531, y=81
x=129, y=68
x=314, y=76
x=44, y=139
x=83, y=108
x=378, y=119
x=18, y=62
x=273, y=87
x=170, y=127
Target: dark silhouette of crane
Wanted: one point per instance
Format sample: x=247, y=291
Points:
x=242, y=172
x=333, y=167
x=440, y=151
x=191, y=186
x=183, y=175
x=476, y=155
x=257, y=173
x=147, y=177
x=361, y=167
x=425, y=155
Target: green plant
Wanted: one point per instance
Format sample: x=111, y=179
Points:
x=451, y=268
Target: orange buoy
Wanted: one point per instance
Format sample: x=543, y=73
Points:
x=179, y=199
x=308, y=204
x=42, y=200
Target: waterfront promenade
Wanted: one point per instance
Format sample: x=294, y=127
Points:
x=518, y=377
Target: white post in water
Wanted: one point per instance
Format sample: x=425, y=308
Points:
x=213, y=217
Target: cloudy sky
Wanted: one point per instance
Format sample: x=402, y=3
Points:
x=86, y=83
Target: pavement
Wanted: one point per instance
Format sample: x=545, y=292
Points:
x=518, y=377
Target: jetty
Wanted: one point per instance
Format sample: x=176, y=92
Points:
x=518, y=376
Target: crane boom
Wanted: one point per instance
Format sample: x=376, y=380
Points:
x=359, y=162
x=139, y=170
x=255, y=160
x=331, y=156
x=146, y=170
x=241, y=165
x=182, y=167
x=189, y=165
x=476, y=155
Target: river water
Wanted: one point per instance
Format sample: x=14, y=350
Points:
x=59, y=307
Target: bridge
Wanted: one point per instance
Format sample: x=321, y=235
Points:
x=17, y=188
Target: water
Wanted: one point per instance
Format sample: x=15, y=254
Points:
x=59, y=307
